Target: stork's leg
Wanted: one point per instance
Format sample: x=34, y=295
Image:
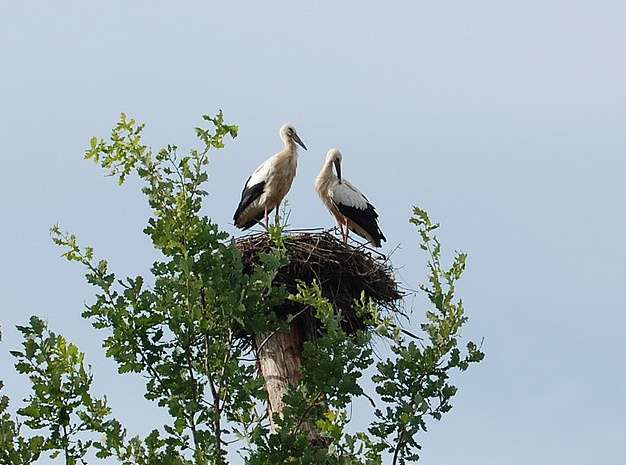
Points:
x=267, y=222
x=345, y=237
x=277, y=216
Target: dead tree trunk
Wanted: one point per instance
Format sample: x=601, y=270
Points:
x=279, y=356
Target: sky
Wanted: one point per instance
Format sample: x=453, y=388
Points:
x=505, y=120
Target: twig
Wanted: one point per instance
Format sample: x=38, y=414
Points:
x=308, y=410
x=273, y=333
x=399, y=443
x=411, y=334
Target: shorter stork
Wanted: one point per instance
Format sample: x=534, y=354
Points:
x=346, y=203
x=269, y=183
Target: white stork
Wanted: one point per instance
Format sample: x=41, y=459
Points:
x=346, y=203
x=269, y=183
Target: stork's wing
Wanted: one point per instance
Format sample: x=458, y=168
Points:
x=345, y=194
x=260, y=174
x=354, y=205
x=253, y=189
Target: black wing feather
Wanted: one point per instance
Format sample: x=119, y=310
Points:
x=249, y=195
x=366, y=218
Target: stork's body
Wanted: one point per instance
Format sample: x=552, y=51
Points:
x=269, y=183
x=346, y=203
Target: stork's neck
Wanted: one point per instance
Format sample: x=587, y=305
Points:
x=291, y=148
x=290, y=145
x=325, y=176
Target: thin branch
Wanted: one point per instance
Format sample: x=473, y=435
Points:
x=273, y=333
x=408, y=333
x=305, y=414
x=399, y=444
x=215, y=393
x=192, y=422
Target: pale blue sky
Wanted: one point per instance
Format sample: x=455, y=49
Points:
x=506, y=120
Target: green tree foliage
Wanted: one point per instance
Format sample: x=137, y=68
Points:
x=180, y=328
x=60, y=403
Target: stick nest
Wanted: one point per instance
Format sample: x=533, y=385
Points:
x=342, y=271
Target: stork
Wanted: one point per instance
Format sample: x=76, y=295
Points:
x=346, y=203
x=269, y=183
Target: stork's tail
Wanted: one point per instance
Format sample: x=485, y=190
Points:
x=378, y=239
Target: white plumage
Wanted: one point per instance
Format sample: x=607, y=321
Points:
x=261, y=173
x=344, y=193
x=269, y=183
x=346, y=203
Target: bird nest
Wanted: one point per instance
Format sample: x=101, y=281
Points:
x=343, y=272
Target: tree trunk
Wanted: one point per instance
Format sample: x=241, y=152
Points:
x=280, y=360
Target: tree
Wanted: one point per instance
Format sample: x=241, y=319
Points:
x=181, y=328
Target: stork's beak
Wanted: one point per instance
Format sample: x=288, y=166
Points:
x=298, y=141
x=338, y=169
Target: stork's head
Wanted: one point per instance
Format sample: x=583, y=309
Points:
x=334, y=156
x=288, y=134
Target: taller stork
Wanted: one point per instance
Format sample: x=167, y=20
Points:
x=269, y=183
x=346, y=203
